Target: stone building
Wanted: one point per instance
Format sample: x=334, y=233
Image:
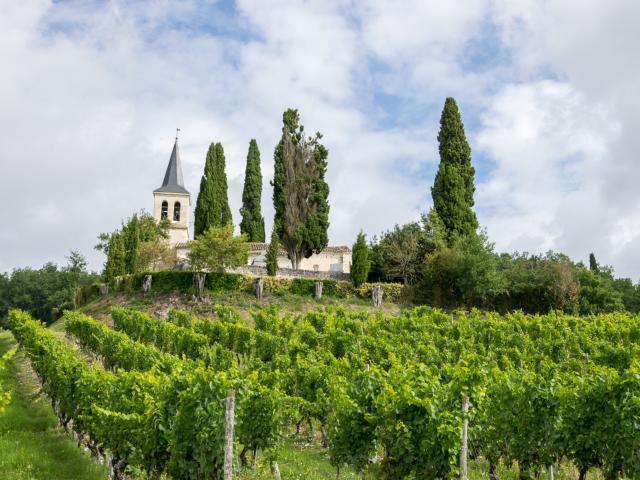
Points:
x=331, y=259
x=172, y=201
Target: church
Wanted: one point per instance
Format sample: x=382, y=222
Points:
x=172, y=201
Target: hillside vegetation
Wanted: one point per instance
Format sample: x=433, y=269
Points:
x=347, y=391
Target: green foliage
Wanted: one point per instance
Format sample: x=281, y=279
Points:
x=593, y=265
x=131, y=240
x=463, y=274
x=217, y=248
x=300, y=192
x=5, y=396
x=597, y=292
x=44, y=292
x=360, y=263
x=227, y=282
x=115, y=265
x=32, y=446
x=453, y=186
x=399, y=254
x=123, y=254
x=115, y=349
x=539, y=283
x=272, y=252
x=169, y=338
x=212, y=206
x=252, y=224
x=290, y=120
x=541, y=388
x=155, y=254
x=630, y=293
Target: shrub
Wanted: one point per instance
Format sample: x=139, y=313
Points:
x=181, y=281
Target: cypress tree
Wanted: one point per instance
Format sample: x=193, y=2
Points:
x=252, y=223
x=290, y=128
x=212, y=205
x=453, y=187
x=115, y=265
x=300, y=192
x=593, y=265
x=272, y=252
x=131, y=233
x=360, y=263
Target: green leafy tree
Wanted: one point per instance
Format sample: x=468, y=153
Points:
x=148, y=230
x=212, y=205
x=465, y=274
x=593, y=265
x=272, y=252
x=218, y=249
x=453, y=187
x=360, y=263
x=252, y=224
x=76, y=266
x=116, y=257
x=435, y=235
x=399, y=254
x=131, y=239
x=630, y=293
x=44, y=292
x=155, y=254
x=597, y=293
x=538, y=283
x=300, y=192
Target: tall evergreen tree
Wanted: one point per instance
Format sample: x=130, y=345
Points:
x=252, y=223
x=115, y=265
x=290, y=128
x=593, y=265
x=272, y=252
x=131, y=234
x=360, y=263
x=212, y=205
x=453, y=187
x=300, y=192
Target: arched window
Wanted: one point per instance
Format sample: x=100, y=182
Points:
x=164, y=213
x=176, y=212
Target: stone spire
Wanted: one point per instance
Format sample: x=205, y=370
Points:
x=173, y=182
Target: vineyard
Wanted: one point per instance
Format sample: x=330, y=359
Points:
x=407, y=396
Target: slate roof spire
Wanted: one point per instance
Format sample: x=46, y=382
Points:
x=173, y=181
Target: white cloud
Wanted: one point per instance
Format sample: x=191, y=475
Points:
x=91, y=93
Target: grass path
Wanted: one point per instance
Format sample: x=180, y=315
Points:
x=32, y=447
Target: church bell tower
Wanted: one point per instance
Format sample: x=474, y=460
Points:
x=172, y=201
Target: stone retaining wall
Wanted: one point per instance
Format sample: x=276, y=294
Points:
x=290, y=273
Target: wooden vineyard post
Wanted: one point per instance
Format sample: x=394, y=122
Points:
x=146, y=284
x=228, y=435
x=258, y=288
x=551, y=472
x=463, y=445
x=376, y=295
x=198, y=280
x=317, y=290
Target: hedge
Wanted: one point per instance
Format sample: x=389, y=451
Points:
x=182, y=281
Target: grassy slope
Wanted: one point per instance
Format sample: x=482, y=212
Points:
x=31, y=445
x=158, y=303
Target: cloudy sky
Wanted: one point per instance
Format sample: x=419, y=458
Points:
x=91, y=93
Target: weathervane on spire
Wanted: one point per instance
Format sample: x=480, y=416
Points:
x=177, y=130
